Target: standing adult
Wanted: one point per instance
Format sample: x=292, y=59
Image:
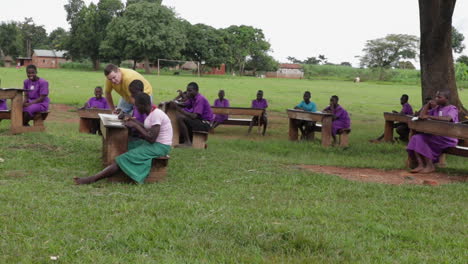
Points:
x=119, y=79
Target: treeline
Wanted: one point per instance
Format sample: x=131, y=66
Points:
x=140, y=30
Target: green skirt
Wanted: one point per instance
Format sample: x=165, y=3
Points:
x=136, y=162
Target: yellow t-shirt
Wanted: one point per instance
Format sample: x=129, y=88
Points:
x=128, y=76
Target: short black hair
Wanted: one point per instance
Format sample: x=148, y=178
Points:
x=307, y=92
x=31, y=66
x=405, y=96
x=142, y=99
x=445, y=94
x=260, y=91
x=137, y=85
x=110, y=68
x=193, y=85
x=98, y=87
x=336, y=97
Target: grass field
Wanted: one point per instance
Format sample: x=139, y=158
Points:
x=242, y=200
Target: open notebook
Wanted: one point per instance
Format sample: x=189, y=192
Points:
x=111, y=120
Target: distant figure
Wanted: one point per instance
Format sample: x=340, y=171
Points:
x=306, y=127
x=401, y=128
x=96, y=102
x=357, y=79
x=18, y=65
x=341, y=118
x=36, y=94
x=262, y=104
x=425, y=149
x=220, y=102
x=3, y=105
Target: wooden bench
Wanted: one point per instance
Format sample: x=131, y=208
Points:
x=157, y=173
x=199, y=139
x=390, y=119
x=240, y=111
x=325, y=124
x=38, y=121
x=448, y=129
x=343, y=135
x=87, y=116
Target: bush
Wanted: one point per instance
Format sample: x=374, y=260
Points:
x=85, y=65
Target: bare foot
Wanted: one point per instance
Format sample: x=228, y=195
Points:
x=80, y=181
x=427, y=170
x=417, y=169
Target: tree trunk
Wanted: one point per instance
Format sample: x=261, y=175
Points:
x=437, y=71
x=134, y=64
x=147, y=67
x=96, y=64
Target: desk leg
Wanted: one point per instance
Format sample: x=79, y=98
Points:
x=326, y=131
x=114, y=144
x=17, y=114
x=85, y=125
x=293, y=133
x=388, y=132
x=259, y=124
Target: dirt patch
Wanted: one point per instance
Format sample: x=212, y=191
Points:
x=36, y=146
x=63, y=113
x=396, y=177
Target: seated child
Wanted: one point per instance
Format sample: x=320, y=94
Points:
x=427, y=100
x=425, y=149
x=3, y=104
x=136, y=87
x=261, y=103
x=196, y=116
x=401, y=128
x=220, y=102
x=36, y=94
x=306, y=127
x=156, y=142
x=96, y=102
x=341, y=118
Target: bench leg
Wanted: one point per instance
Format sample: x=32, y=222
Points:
x=344, y=137
x=388, y=132
x=158, y=171
x=199, y=140
x=293, y=130
x=442, y=161
x=85, y=125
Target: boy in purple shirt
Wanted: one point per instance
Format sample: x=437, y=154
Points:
x=3, y=104
x=341, y=118
x=36, y=94
x=262, y=103
x=220, y=102
x=97, y=101
x=425, y=149
x=196, y=116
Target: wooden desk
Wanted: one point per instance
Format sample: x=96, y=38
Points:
x=325, y=118
x=170, y=108
x=390, y=118
x=16, y=114
x=258, y=112
x=86, y=117
x=440, y=128
x=114, y=139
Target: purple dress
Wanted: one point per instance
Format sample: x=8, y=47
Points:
x=342, y=120
x=263, y=104
x=432, y=146
x=100, y=103
x=34, y=90
x=199, y=105
x=219, y=103
x=407, y=109
x=3, y=104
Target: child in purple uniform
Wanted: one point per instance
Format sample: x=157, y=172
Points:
x=3, y=104
x=36, y=94
x=220, y=102
x=341, y=118
x=401, y=128
x=96, y=102
x=261, y=103
x=425, y=149
x=136, y=87
x=196, y=116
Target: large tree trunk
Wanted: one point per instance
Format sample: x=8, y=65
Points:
x=437, y=72
x=147, y=66
x=96, y=64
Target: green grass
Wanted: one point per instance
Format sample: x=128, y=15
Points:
x=242, y=200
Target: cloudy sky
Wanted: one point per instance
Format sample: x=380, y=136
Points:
x=299, y=28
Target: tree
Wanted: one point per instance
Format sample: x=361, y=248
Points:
x=261, y=62
x=129, y=2
x=11, y=39
x=311, y=60
x=437, y=71
x=345, y=63
x=387, y=52
x=294, y=60
x=34, y=36
x=405, y=65
x=146, y=31
x=88, y=27
x=322, y=59
x=463, y=59
x=457, y=41
x=58, y=38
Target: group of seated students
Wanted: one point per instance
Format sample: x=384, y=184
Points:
x=340, y=118
x=36, y=95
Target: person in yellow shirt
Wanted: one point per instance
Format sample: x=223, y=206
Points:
x=119, y=79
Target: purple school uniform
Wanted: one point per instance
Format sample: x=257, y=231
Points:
x=34, y=90
x=342, y=120
x=138, y=116
x=3, y=104
x=407, y=109
x=263, y=104
x=432, y=146
x=219, y=103
x=199, y=105
x=100, y=103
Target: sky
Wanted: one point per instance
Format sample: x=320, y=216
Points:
x=337, y=29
